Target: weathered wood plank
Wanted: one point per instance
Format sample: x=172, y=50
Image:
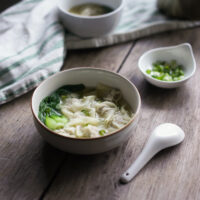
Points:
x=106, y=58
x=27, y=163
x=174, y=173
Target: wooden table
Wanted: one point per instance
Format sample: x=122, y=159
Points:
x=32, y=169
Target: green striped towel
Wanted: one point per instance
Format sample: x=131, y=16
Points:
x=140, y=18
x=33, y=42
x=32, y=46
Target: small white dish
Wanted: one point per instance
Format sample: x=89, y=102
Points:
x=90, y=26
x=90, y=77
x=182, y=53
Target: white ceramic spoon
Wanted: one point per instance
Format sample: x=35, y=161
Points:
x=163, y=136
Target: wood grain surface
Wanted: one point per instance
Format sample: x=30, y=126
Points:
x=31, y=169
x=173, y=173
x=27, y=164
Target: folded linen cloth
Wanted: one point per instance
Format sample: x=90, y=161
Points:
x=31, y=46
x=33, y=42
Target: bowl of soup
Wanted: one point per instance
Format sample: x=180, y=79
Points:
x=90, y=18
x=86, y=110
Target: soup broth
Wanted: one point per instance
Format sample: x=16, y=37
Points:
x=90, y=9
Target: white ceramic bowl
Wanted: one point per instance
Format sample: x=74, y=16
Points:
x=92, y=26
x=89, y=77
x=182, y=53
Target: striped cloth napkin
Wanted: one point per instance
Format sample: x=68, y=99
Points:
x=31, y=46
x=33, y=42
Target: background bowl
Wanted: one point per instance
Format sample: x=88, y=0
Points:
x=90, y=26
x=182, y=53
x=89, y=77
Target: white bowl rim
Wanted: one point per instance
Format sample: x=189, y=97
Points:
x=92, y=17
x=169, y=47
x=95, y=138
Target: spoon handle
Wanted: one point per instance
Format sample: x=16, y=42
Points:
x=148, y=152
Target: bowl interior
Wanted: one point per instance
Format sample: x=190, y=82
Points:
x=65, y=5
x=182, y=54
x=90, y=77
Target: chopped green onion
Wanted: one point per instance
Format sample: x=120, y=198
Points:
x=166, y=71
x=86, y=112
x=102, y=132
x=148, y=71
x=63, y=97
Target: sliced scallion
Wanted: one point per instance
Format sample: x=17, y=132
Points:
x=166, y=71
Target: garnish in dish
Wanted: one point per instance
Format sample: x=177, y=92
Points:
x=166, y=71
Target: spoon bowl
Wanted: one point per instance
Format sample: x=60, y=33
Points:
x=166, y=135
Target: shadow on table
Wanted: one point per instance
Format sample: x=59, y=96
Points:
x=74, y=161
x=6, y=4
x=75, y=172
x=85, y=176
x=156, y=98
